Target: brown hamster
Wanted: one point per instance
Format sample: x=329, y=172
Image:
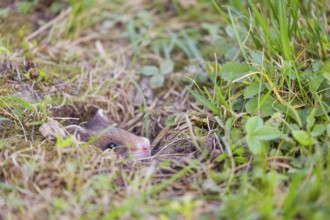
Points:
x=123, y=142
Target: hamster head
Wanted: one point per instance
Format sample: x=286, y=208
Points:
x=124, y=143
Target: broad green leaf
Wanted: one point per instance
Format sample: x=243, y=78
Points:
x=221, y=157
x=287, y=109
x=24, y=7
x=318, y=130
x=310, y=122
x=252, y=90
x=266, y=105
x=315, y=83
x=254, y=144
x=322, y=109
x=149, y=70
x=236, y=134
x=266, y=133
x=253, y=124
x=316, y=65
x=237, y=70
x=166, y=67
x=239, y=151
x=326, y=67
x=327, y=75
x=256, y=57
x=156, y=81
x=302, y=137
x=240, y=159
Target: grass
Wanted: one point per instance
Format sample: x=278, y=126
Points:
x=234, y=96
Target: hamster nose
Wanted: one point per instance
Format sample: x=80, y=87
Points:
x=146, y=145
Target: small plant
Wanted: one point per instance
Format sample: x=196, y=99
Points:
x=158, y=74
x=24, y=7
x=257, y=133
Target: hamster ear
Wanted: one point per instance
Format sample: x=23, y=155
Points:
x=99, y=121
x=100, y=116
x=82, y=133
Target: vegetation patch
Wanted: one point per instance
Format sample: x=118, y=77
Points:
x=233, y=95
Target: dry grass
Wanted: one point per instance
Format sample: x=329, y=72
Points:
x=86, y=67
x=83, y=58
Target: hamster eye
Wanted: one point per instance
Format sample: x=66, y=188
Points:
x=111, y=145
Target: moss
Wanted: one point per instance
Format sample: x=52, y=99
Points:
x=13, y=29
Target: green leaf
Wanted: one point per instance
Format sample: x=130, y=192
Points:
x=327, y=75
x=41, y=75
x=24, y=7
x=266, y=105
x=240, y=159
x=315, y=83
x=318, y=130
x=252, y=90
x=63, y=142
x=56, y=7
x=19, y=101
x=254, y=144
x=237, y=70
x=322, y=109
x=326, y=67
x=316, y=65
x=257, y=57
x=302, y=137
x=133, y=35
x=210, y=105
x=239, y=151
x=328, y=130
x=34, y=123
x=236, y=134
x=149, y=70
x=310, y=122
x=166, y=67
x=221, y=157
x=266, y=133
x=156, y=81
x=170, y=121
x=253, y=124
x=290, y=111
